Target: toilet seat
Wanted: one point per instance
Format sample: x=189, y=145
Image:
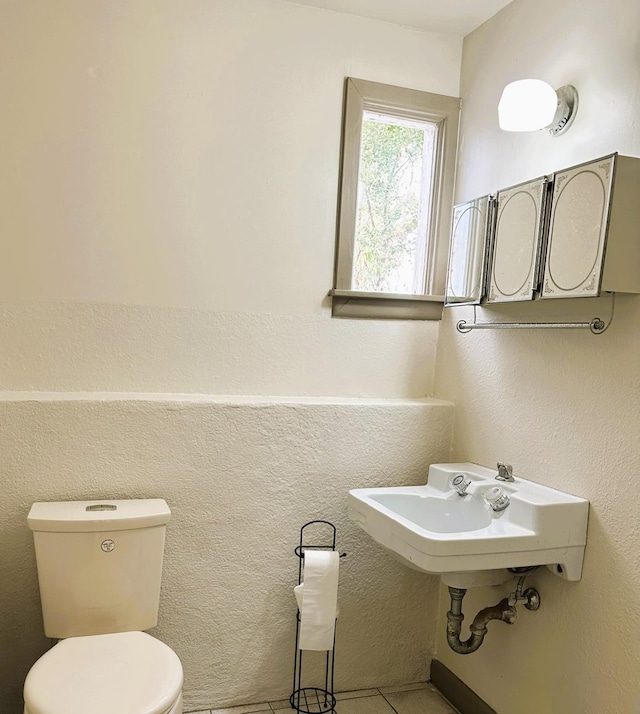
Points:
x=124, y=672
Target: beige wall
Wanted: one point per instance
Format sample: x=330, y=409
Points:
x=167, y=224
x=562, y=406
x=182, y=157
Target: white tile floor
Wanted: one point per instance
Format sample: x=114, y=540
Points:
x=420, y=698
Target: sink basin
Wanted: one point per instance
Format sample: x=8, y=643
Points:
x=440, y=515
x=435, y=530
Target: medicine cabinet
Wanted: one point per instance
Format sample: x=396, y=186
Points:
x=472, y=227
x=515, y=258
x=573, y=234
x=594, y=233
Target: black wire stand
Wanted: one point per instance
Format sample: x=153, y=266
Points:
x=313, y=700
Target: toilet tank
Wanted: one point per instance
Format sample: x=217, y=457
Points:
x=99, y=564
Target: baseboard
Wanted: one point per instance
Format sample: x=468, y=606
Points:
x=456, y=691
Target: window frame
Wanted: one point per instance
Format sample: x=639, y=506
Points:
x=363, y=95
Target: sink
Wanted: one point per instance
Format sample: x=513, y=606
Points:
x=434, y=529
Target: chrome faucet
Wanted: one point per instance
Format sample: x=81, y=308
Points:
x=505, y=472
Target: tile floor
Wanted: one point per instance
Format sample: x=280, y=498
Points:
x=420, y=698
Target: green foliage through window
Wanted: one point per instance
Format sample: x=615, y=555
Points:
x=394, y=192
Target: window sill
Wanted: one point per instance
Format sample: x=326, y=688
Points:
x=385, y=306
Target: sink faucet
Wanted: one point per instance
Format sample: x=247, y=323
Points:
x=505, y=472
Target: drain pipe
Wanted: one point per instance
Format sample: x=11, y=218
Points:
x=502, y=611
x=505, y=611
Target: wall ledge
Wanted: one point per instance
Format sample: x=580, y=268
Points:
x=227, y=399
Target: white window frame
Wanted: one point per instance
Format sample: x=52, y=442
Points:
x=361, y=95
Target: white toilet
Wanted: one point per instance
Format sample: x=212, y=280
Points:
x=99, y=569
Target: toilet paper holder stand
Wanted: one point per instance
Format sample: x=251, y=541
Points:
x=314, y=700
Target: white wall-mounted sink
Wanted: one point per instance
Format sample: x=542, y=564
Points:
x=436, y=530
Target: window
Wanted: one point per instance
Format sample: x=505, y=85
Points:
x=393, y=204
x=396, y=193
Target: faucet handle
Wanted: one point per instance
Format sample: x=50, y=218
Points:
x=460, y=483
x=497, y=499
x=505, y=472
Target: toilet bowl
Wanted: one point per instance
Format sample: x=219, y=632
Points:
x=121, y=673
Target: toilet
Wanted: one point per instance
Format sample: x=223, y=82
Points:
x=99, y=571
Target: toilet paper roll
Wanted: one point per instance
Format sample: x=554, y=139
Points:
x=298, y=592
x=319, y=599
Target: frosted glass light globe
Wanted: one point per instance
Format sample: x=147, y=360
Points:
x=527, y=105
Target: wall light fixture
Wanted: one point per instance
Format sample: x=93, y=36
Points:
x=531, y=104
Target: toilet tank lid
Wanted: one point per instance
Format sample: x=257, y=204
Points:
x=107, y=515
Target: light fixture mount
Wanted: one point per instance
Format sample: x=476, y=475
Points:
x=566, y=111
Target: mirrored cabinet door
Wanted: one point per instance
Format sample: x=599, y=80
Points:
x=516, y=245
x=577, y=231
x=467, y=253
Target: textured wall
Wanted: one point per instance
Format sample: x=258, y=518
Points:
x=102, y=347
x=167, y=224
x=562, y=406
x=241, y=477
x=186, y=155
